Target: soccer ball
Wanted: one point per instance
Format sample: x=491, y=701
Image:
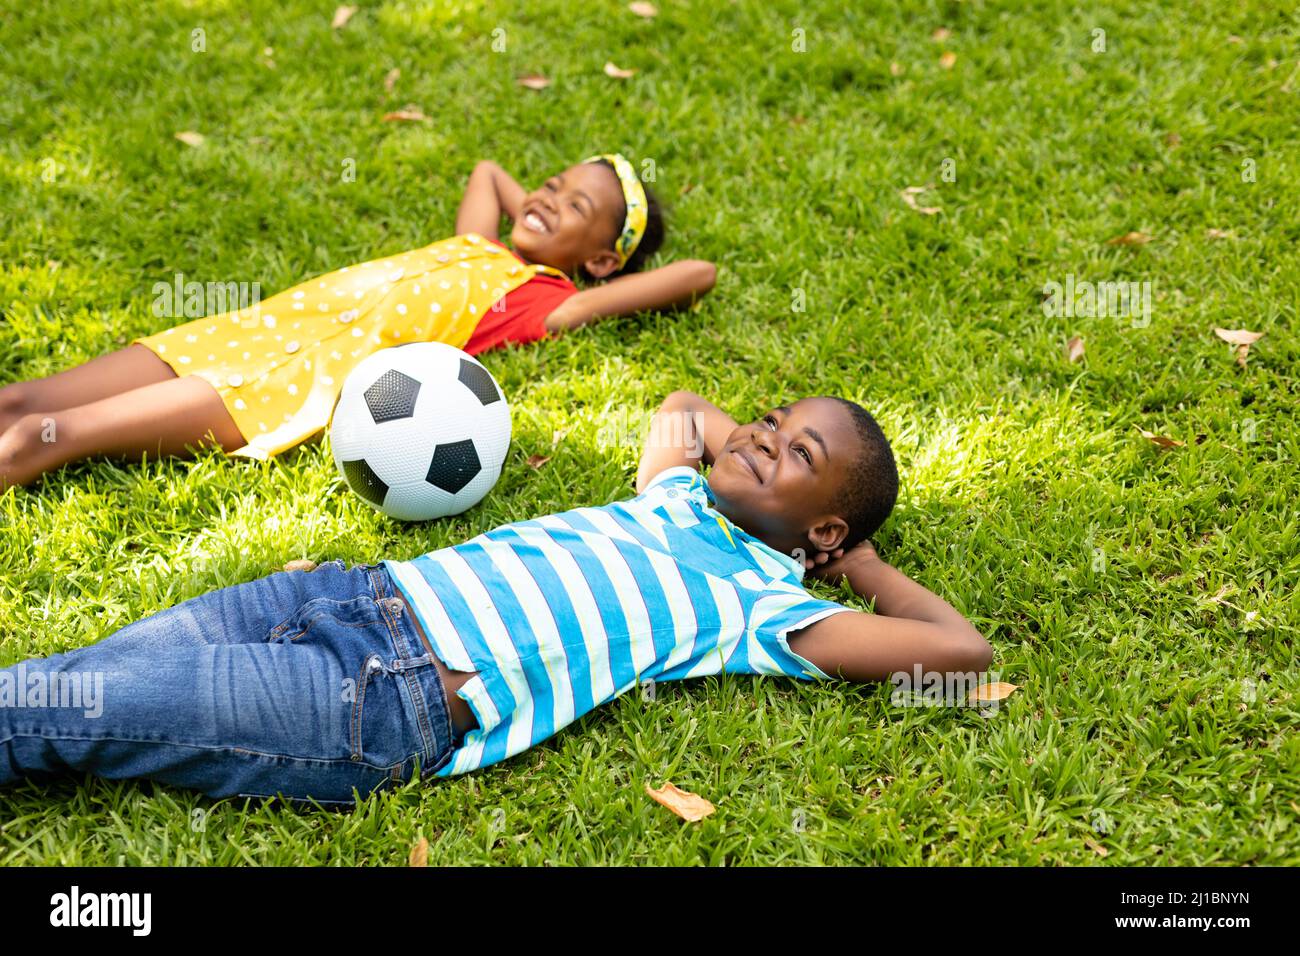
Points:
x=420, y=431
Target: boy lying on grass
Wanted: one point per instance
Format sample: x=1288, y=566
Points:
x=334, y=682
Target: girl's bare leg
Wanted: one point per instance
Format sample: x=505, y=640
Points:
x=102, y=377
x=164, y=418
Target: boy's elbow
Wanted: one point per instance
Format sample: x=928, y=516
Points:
x=680, y=403
x=678, y=400
x=705, y=274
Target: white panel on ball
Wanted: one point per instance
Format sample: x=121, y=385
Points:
x=420, y=431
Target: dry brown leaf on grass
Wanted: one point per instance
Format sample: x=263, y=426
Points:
x=940, y=34
x=1218, y=234
x=408, y=115
x=301, y=564
x=536, y=461
x=1160, y=440
x=909, y=197
x=1241, y=338
x=1074, y=349
x=1173, y=140
x=191, y=138
x=997, y=690
x=616, y=72
x=419, y=853
x=1238, y=336
x=341, y=17
x=948, y=60
x=534, y=81
x=688, y=806
x=1096, y=847
x=641, y=9
x=896, y=68
x=391, y=77
x=1130, y=239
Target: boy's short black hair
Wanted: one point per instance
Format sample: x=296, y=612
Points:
x=871, y=490
x=651, y=239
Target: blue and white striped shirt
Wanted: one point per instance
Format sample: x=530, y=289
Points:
x=564, y=613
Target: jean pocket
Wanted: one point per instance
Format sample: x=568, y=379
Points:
x=378, y=728
x=296, y=625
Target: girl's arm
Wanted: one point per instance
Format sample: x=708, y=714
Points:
x=670, y=286
x=911, y=626
x=489, y=193
x=687, y=430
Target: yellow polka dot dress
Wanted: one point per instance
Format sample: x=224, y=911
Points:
x=279, y=364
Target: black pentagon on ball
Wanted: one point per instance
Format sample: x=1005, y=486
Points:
x=392, y=396
x=454, y=466
x=363, y=480
x=476, y=378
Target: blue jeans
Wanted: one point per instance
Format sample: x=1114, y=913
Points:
x=302, y=684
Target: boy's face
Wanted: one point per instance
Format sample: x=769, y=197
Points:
x=572, y=220
x=776, y=477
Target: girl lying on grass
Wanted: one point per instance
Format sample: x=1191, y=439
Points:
x=331, y=683
x=263, y=379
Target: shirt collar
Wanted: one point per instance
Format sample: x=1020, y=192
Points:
x=738, y=535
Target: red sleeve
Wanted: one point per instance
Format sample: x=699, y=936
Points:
x=522, y=317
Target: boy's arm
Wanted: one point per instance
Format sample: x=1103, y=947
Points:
x=911, y=626
x=489, y=193
x=674, y=285
x=687, y=430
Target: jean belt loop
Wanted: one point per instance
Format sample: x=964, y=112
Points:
x=376, y=576
x=411, y=663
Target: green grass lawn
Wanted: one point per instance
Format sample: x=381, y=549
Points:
x=1143, y=599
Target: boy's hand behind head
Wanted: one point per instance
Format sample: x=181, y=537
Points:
x=830, y=566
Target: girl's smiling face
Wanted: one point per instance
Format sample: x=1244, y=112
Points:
x=572, y=220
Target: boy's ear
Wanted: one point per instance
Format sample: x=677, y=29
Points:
x=828, y=533
x=602, y=264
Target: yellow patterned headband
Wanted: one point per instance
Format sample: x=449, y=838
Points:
x=634, y=199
